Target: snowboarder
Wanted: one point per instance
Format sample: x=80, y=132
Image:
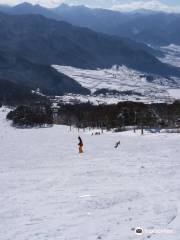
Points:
x=117, y=144
x=80, y=144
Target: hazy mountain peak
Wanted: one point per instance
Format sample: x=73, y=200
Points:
x=24, y=4
x=65, y=6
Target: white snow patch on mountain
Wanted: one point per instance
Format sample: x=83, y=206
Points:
x=172, y=55
x=50, y=192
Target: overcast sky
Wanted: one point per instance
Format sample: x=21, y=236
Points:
x=122, y=5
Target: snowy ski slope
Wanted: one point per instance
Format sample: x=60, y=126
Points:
x=50, y=192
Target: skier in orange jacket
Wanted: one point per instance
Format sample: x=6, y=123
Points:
x=80, y=144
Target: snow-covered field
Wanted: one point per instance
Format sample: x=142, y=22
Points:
x=132, y=85
x=172, y=55
x=50, y=192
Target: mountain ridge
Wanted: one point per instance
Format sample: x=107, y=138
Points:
x=150, y=27
x=45, y=41
x=31, y=75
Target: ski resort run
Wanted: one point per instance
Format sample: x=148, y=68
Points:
x=51, y=192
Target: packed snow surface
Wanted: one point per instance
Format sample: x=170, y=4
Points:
x=50, y=192
x=131, y=85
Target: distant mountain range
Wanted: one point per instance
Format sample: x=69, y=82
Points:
x=156, y=28
x=31, y=43
x=27, y=8
x=45, y=41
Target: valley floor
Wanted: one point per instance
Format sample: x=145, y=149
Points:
x=130, y=85
x=49, y=191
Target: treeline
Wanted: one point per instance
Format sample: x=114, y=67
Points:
x=31, y=116
x=120, y=115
